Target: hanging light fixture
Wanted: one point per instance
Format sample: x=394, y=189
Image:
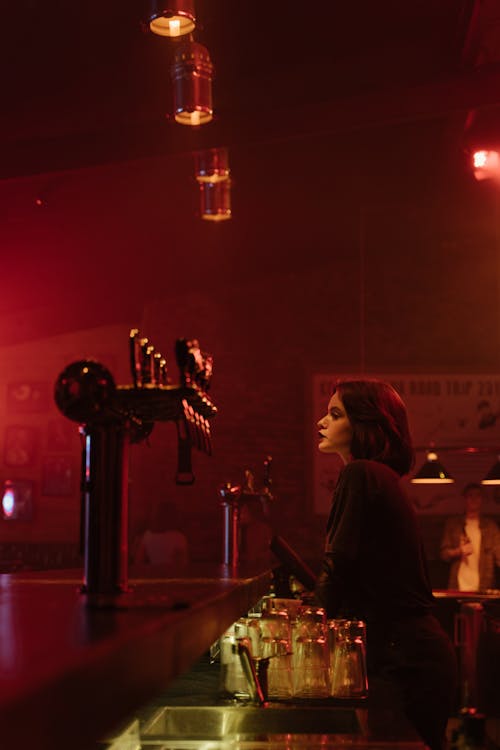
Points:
x=191, y=73
x=215, y=200
x=212, y=165
x=493, y=476
x=432, y=471
x=172, y=17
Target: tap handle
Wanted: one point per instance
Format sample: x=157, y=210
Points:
x=135, y=357
x=268, y=462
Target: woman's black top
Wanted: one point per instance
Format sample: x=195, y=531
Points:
x=374, y=566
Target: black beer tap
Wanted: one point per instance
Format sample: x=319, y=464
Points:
x=111, y=418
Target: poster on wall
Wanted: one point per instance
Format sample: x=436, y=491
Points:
x=450, y=412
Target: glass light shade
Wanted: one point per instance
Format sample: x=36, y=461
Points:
x=212, y=165
x=432, y=472
x=215, y=200
x=493, y=476
x=172, y=18
x=192, y=72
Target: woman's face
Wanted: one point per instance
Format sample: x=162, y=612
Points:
x=335, y=430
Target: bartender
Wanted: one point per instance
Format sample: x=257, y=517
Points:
x=374, y=567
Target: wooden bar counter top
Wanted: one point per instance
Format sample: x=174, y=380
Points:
x=70, y=673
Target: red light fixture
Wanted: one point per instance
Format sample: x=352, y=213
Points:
x=172, y=18
x=482, y=142
x=8, y=500
x=16, y=503
x=212, y=165
x=215, y=200
x=486, y=164
x=191, y=73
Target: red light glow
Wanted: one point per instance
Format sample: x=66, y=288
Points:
x=486, y=164
x=8, y=501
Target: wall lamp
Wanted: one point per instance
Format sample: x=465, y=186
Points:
x=172, y=18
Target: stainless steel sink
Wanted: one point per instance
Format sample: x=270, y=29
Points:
x=223, y=722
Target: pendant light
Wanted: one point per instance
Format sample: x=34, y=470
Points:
x=212, y=165
x=172, y=18
x=493, y=476
x=432, y=471
x=191, y=73
x=215, y=200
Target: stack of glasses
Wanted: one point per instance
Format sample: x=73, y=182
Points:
x=307, y=656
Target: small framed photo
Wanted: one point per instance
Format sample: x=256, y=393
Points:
x=28, y=397
x=21, y=446
x=58, y=476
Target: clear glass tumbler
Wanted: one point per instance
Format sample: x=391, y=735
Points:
x=275, y=645
x=348, y=678
x=310, y=657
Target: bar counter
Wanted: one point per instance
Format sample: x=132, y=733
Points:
x=70, y=673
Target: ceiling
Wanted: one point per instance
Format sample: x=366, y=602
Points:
x=86, y=84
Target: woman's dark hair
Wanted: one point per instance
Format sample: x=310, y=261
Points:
x=379, y=423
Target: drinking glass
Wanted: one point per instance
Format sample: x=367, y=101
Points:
x=310, y=653
x=348, y=677
x=275, y=645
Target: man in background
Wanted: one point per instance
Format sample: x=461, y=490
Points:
x=471, y=544
x=163, y=543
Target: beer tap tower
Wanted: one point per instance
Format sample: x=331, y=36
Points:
x=232, y=498
x=111, y=417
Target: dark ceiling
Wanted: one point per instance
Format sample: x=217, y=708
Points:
x=85, y=84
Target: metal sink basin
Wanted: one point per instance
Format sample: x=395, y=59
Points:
x=223, y=722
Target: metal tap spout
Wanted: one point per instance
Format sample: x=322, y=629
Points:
x=257, y=690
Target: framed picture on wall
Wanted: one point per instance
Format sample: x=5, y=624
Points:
x=21, y=446
x=58, y=476
x=28, y=397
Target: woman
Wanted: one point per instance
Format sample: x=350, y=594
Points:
x=374, y=566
